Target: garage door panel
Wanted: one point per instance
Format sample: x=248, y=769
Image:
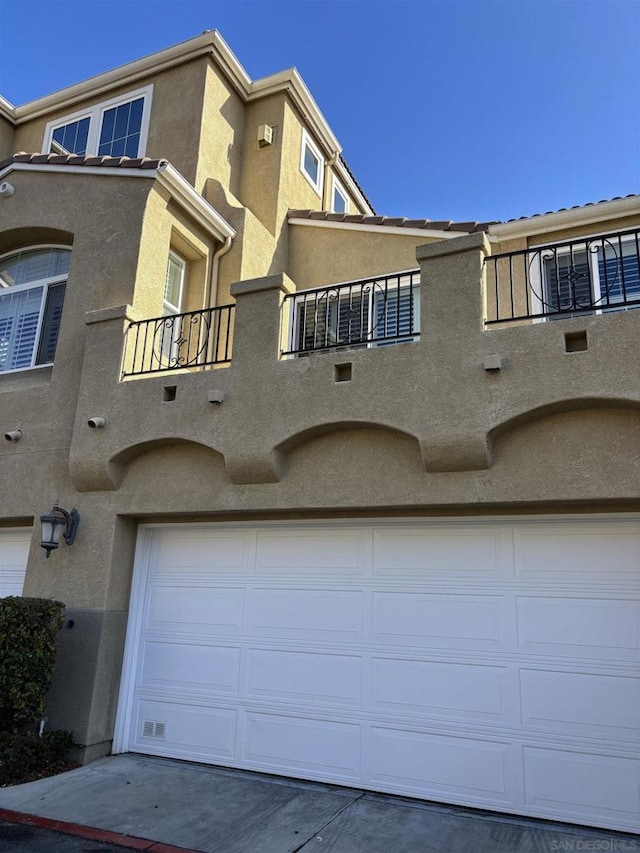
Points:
x=188, y=666
x=600, y=550
x=188, y=731
x=578, y=703
x=457, y=552
x=481, y=663
x=293, y=744
x=14, y=553
x=457, y=766
x=11, y=582
x=436, y=621
x=579, y=627
x=323, y=553
x=325, y=679
x=191, y=552
x=583, y=785
x=457, y=691
x=195, y=610
x=309, y=614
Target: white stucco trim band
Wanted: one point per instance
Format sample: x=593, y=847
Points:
x=379, y=229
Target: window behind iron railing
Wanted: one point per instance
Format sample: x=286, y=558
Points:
x=586, y=275
x=366, y=313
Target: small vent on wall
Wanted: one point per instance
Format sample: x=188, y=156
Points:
x=151, y=728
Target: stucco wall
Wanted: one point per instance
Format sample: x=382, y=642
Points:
x=420, y=428
x=325, y=255
x=119, y=230
x=7, y=132
x=175, y=122
x=222, y=133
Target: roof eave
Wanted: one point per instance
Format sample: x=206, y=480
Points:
x=210, y=42
x=574, y=217
x=166, y=175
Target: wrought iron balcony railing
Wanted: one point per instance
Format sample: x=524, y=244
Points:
x=368, y=313
x=178, y=341
x=586, y=275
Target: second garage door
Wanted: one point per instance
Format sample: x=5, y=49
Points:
x=483, y=663
x=14, y=552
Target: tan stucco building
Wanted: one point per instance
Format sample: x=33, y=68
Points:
x=358, y=496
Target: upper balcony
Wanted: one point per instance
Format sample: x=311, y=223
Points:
x=188, y=341
x=590, y=275
x=306, y=363
x=353, y=315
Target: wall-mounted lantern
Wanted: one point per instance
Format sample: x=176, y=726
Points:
x=56, y=523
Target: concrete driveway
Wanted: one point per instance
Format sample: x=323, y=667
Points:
x=214, y=810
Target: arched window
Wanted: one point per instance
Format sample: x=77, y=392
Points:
x=32, y=285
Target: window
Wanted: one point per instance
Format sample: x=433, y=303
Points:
x=115, y=128
x=171, y=306
x=598, y=274
x=32, y=286
x=312, y=163
x=339, y=197
x=375, y=313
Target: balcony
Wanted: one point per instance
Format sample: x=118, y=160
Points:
x=354, y=315
x=196, y=339
x=584, y=276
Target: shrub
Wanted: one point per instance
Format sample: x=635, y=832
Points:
x=28, y=631
x=27, y=756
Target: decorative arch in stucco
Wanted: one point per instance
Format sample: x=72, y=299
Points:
x=93, y=474
x=570, y=404
x=15, y=239
x=309, y=433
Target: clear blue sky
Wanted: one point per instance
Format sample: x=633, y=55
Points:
x=456, y=110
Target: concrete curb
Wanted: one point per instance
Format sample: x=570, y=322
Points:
x=92, y=833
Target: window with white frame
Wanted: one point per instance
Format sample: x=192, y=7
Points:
x=312, y=163
x=171, y=306
x=339, y=197
x=114, y=128
x=32, y=284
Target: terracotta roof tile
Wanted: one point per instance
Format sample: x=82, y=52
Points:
x=390, y=221
x=575, y=207
x=83, y=160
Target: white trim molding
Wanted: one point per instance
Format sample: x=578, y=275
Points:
x=338, y=188
x=308, y=144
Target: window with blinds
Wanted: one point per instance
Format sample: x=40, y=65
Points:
x=599, y=275
x=32, y=285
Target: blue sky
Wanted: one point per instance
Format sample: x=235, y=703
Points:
x=457, y=110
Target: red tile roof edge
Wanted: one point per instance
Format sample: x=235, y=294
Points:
x=82, y=160
x=390, y=221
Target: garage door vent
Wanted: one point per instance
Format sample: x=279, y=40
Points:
x=151, y=728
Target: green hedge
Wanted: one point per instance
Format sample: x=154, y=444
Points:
x=27, y=756
x=28, y=631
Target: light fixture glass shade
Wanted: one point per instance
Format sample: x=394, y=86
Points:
x=56, y=523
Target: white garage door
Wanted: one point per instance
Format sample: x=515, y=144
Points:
x=14, y=552
x=484, y=663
